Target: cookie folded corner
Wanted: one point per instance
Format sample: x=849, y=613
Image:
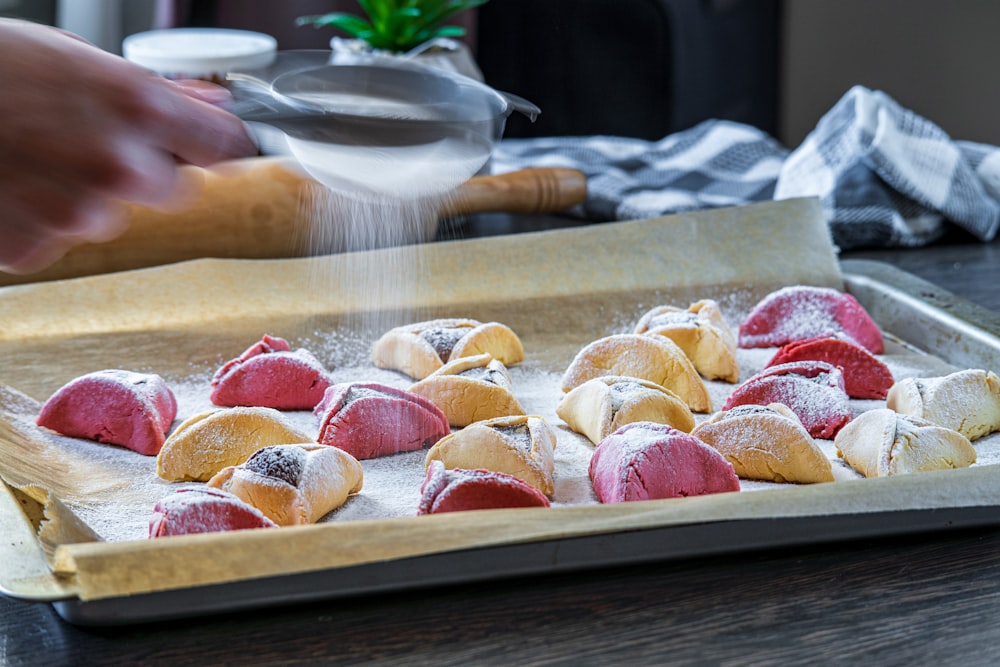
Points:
x=522, y=446
x=654, y=358
x=599, y=407
x=767, y=443
x=370, y=420
x=270, y=374
x=882, y=443
x=460, y=490
x=420, y=349
x=646, y=461
x=799, y=312
x=293, y=484
x=198, y=509
x=702, y=334
x=207, y=442
x=967, y=401
x=470, y=389
x=115, y=407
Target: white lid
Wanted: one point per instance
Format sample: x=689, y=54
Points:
x=198, y=52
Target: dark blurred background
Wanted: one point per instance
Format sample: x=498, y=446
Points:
x=646, y=68
x=640, y=68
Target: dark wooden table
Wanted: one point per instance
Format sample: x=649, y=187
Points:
x=929, y=599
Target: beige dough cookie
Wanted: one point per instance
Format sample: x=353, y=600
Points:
x=293, y=484
x=967, y=401
x=766, y=443
x=702, y=334
x=653, y=358
x=599, y=407
x=420, y=349
x=470, y=389
x=208, y=442
x=880, y=443
x=522, y=446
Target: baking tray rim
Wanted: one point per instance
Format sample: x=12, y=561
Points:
x=531, y=558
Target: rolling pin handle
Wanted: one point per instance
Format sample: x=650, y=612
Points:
x=538, y=190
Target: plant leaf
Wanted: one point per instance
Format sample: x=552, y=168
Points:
x=449, y=31
x=397, y=25
x=378, y=11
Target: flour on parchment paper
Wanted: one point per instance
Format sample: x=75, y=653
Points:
x=117, y=495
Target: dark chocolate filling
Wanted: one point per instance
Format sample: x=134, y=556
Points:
x=620, y=392
x=284, y=463
x=444, y=339
x=484, y=373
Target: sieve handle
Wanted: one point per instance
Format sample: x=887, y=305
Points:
x=539, y=190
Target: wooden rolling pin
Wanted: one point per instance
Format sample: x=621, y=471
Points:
x=260, y=208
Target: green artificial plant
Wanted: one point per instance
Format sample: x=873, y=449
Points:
x=397, y=25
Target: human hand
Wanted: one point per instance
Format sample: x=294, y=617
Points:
x=82, y=130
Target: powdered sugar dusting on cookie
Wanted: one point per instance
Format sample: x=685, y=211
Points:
x=681, y=317
x=646, y=461
x=635, y=439
x=458, y=489
x=800, y=312
x=392, y=483
x=191, y=510
x=130, y=409
x=822, y=409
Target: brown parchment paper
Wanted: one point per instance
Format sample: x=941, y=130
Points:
x=558, y=290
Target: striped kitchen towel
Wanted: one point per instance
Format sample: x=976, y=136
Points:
x=886, y=176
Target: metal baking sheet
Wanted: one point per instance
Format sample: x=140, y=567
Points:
x=518, y=542
x=534, y=558
x=897, y=300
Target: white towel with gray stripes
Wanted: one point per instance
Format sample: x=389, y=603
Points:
x=886, y=176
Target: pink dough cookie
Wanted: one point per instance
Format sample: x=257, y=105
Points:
x=458, y=490
x=813, y=390
x=200, y=509
x=865, y=376
x=646, y=461
x=368, y=420
x=796, y=313
x=134, y=410
x=270, y=375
